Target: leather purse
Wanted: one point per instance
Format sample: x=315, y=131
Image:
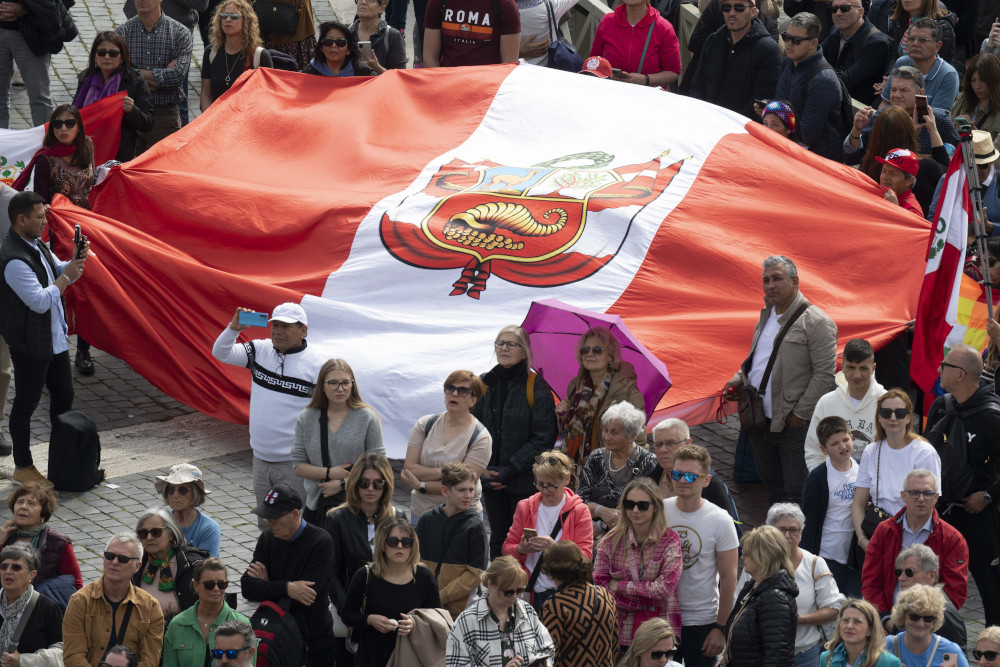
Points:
x=562, y=53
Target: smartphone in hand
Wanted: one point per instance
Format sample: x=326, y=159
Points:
x=529, y=533
x=252, y=319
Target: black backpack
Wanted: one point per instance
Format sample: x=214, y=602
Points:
x=279, y=640
x=75, y=452
x=950, y=439
x=845, y=117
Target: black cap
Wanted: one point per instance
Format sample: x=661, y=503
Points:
x=280, y=500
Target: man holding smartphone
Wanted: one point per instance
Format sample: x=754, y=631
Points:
x=284, y=370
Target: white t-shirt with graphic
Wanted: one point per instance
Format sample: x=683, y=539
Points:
x=703, y=534
x=835, y=543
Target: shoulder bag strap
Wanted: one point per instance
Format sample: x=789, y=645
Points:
x=553, y=25
x=531, y=383
x=430, y=423
x=324, y=439
x=537, y=570
x=930, y=658
x=368, y=581
x=212, y=54
x=256, y=56
x=777, y=344
x=23, y=621
x=649, y=36
x=878, y=470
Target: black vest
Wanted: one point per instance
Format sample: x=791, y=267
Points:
x=24, y=330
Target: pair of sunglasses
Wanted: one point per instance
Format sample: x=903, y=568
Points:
x=183, y=490
x=918, y=617
x=886, y=413
x=511, y=592
x=231, y=653
x=659, y=655
x=114, y=53
x=393, y=542
x=909, y=572
x=330, y=41
x=989, y=655
x=366, y=483
x=688, y=477
x=794, y=40
x=641, y=505
x=69, y=124
x=13, y=567
x=122, y=558
x=143, y=533
x=597, y=349
x=210, y=585
x=461, y=391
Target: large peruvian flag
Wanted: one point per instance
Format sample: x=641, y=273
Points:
x=941, y=299
x=415, y=214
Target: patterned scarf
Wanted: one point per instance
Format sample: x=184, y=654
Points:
x=580, y=418
x=166, y=576
x=34, y=534
x=11, y=613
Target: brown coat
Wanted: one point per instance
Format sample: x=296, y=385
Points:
x=425, y=645
x=306, y=27
x=623, y=388
x=455, y=582
x=87, y=626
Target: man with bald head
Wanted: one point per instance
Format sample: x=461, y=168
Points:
x=964, y=427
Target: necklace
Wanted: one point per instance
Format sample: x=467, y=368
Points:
x=611, y=462
x=230, y=69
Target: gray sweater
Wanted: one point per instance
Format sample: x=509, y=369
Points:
x=360, y=433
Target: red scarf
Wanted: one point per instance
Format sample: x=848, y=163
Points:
x=56, y=151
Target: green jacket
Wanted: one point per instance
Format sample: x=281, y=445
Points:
x=184, y=645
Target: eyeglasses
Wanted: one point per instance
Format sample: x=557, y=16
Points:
x=920, y=40
x=461, y=391
x=668, y=443
x=945, y=364
x=597, y=349
x=233, y=16
x=918, y=617
x=69, y=124
x=506, y=344
x=688, y=477
x=909, y=572
x=114, y=53
x=900, y=413
x=660, y=655
x=343, y=384
x=366, y=483
x=641, y=505
x=914, y=494
x=122, y=558
x=13, y=567
x=843, y=9
x=789, y=531
x=394, y=542
x=143, y=533
x=551, y=460
x=847, y=620
x=368, y=2
x=794, y=40
x=231, y=653
x=899, y=73
x=739, y=9
x=210, y=585
x=511, y=592
x=989, y=655
x=545, y=487
x=330, y=41
x=183, y=490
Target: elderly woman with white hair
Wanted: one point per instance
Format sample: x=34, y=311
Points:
x=819, y=599
x=167, y=562
x=610, y=468
x=183, y=490
x=519, y=413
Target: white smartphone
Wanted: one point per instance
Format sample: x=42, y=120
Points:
x=366, y=48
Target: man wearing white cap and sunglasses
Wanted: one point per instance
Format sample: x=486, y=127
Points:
x=284, y=371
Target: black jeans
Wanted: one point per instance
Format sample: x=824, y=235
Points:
x=30, y=376
x=500, y=506
x=692, y=637
x=982, y=533
x=781, y=463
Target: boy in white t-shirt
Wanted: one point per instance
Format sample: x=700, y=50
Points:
x=827, y=496
x=709, y=547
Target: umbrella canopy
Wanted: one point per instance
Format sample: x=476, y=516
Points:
x=555, y=328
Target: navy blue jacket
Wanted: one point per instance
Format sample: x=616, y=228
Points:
x=818, y=108
x=815, y=500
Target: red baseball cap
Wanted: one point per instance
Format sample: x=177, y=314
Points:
x=597, y=66
x=903, y=159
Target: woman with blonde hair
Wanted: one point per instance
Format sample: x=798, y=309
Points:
x=919, y=610
x=652, y=646
x=761, y=628
x=858, y=640
x=235, y=46
x=334, y=430
x=500, y=629
x=640, y=561
x=518, y=411
x=554, y=513
x=604, y=379
x=381, y=594
x=987, y=651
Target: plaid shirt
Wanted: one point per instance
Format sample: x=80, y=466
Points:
x=154, y=49
x=647, y=580
x=475, y=639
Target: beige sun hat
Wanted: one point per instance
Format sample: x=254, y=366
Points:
x=182, y=473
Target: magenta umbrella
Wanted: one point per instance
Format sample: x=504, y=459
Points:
x=555, y=328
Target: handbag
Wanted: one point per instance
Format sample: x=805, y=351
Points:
x=750, y=400
x=874, y=515
x=277, y=17
x=562, y=53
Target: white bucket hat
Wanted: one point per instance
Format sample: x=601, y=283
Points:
x=182, y=473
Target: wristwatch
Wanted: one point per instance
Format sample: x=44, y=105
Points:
x=720, y=627
x=423, y=487
x=987, y=497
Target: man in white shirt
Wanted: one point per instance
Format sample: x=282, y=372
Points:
x=284, y=371
x=709, y=548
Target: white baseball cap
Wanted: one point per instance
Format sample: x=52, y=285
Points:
x=290, y=313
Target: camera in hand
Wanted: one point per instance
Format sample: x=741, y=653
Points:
x=79, y=242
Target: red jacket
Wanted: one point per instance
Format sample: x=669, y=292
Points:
x=878, y=578
x=908, y=200
x=622, y=44
x=577, y=525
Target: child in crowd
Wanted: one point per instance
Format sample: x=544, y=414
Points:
x=453, y=538
x=826, y=501
x=899, y=173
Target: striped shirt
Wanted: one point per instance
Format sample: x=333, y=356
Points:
x=155, y=49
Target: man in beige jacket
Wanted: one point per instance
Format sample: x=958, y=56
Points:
x=803, y=371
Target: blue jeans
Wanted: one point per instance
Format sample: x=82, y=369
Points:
x=396, y=16
x=809, y=657
x=538, y=598
x=848, y=579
